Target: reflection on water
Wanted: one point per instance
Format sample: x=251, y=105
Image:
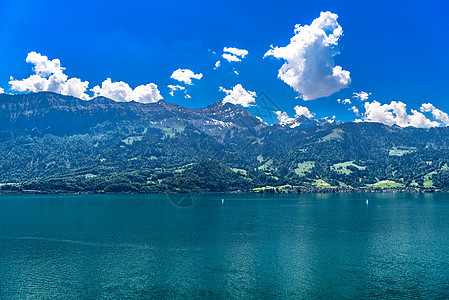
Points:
x=225, y=246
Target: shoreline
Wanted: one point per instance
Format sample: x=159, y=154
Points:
x=273, y=190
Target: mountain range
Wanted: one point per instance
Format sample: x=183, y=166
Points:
x=55, y=143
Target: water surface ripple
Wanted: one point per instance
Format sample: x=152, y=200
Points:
x=244, y=246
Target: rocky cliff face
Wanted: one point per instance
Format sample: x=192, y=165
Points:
x=60, y=114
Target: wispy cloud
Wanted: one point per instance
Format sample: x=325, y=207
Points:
x=232, y=54
x=362, y=96
x=174, y=88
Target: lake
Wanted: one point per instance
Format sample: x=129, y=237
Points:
x=225, y=246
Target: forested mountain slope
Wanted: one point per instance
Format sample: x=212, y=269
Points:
x=50, y=142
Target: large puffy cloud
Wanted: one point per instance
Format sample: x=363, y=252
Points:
x=120, y=91
x=147, y=93
x=437, y=114
x=395, y=113
x=309, y=66
x=238, y=95
x=49, y=76
x=303, y=111
x=234, y=54
x=185, y=75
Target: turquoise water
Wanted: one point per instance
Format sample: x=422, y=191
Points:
x=247, y=246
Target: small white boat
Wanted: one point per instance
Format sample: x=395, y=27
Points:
x=222, y=201
x=366, y=201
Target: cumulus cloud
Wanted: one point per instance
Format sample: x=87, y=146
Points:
x=2, y=91
x=238, y=95
x=283, y=118
x=437, y=114
x=185, y=75
x=395, y=113
x=234, y=54
x=362, y=96
x=217, y=64
x=303, y=111
x=120, y=91
x=147, y=93
x=49, y=76
x=309, y=66
x=174, y=88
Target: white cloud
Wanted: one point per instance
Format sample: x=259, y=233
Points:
x=355, y=110
x=238, y=95
x=235, y=51
x=284, y=119
x=42, y=65
x=362, y=96
x=437, y=113
x=2, y=91
x=185, y=75
x=236, y=72
x=49, y=76
x=395, y=113
x=230, y=57
x=309, y=66
x=234, y=54
x=120, y=91
x=303, y=111
x=147, y=93
x=217, y=64
x=174, y=88
x=346, y=101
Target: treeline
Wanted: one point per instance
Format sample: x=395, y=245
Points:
x=207, y=176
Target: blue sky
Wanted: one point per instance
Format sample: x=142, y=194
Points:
x=396, y=50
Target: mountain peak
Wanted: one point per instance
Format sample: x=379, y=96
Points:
x=61, y=114
x=302, y=121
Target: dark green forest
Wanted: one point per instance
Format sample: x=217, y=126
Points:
x=57, y=144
